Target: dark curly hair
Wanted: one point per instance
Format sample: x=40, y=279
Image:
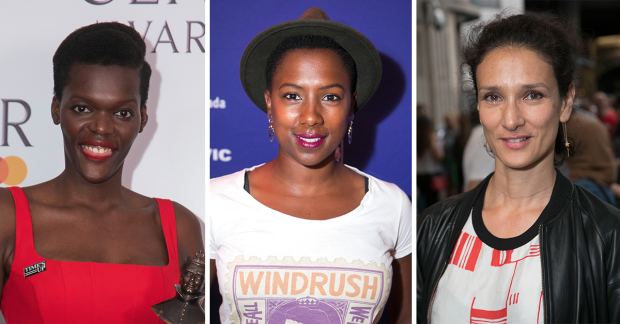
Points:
x=542, y=33
x=102, y=44
x=310, y=42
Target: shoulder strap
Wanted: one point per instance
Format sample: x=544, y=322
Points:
x=246, y=181
x=24, y=243
x=169, y=225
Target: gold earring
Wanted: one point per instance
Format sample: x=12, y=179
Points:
x=566, y=143
x=487, y=147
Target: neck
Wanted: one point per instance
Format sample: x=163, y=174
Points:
x=303, y=180
x=75, y=190
x=531, y=185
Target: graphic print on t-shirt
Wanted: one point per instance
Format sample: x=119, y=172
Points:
x=501, y=258
x=305, y=291
x=481, y=316
x=467, y=252
x=486, y=285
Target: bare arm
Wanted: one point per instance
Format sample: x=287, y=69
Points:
x=189, y=235
x=399, y=304
x=7, y=236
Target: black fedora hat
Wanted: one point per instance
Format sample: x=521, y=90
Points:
x=313, y=22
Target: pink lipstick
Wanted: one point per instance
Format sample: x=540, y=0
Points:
x=516, y=142
x=310, y=141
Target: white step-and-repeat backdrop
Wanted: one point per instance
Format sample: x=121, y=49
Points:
x=167, y=159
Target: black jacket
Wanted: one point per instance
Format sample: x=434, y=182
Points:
x=580, y=253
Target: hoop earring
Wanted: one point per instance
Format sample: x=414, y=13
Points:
x=272, y=133
x=487, y=147
x=566, y=143
x=350, y=131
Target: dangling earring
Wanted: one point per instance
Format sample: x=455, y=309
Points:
x=487, y=147
x=270, y=129
x=350, y=131
x=566, y=143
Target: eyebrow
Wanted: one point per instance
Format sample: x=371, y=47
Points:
x=525, y=86
x=534, y=86
x=290, y=85
x=121, y=102
x=333, y=85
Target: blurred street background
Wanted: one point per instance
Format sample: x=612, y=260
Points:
x=450, y=154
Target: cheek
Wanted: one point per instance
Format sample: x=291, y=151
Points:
x=69, y=130
x=129, y=133
x=283, y=115
x=337, y=117
x=546, y=119
x=490, y=118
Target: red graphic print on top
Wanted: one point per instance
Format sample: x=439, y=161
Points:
x=486, y=285
x=466, y=252
x=481, y=316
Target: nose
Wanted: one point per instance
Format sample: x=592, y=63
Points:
x=102, y=123
x=311, y=113
x=511, y=116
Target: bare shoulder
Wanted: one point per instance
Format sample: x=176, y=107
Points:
x=138, y=201
x=354, y=180
x=7, y=205
x=189, y=232
x=185, y=217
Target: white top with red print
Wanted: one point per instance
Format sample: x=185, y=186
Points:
x=482, y=284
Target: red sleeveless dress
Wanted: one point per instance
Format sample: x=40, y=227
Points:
x=41, y=290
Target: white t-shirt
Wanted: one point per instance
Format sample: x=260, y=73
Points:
x=477, y=163
x=275, y=268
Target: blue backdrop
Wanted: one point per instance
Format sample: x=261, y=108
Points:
x=382, y=129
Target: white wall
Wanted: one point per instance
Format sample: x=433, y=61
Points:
x=168, y=159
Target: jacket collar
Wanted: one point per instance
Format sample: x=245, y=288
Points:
x=562, y=191
x=463, y=210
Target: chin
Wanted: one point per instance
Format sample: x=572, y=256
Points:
x=97, y=176
x=95, y=179
x=315, y=161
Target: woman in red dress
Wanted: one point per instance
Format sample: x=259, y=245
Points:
x=81, y=248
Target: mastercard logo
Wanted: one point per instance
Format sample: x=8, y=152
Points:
x=13, y=170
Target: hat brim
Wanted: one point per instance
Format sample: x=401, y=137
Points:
x=254, y=60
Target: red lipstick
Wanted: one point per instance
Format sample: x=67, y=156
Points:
x=97, y=151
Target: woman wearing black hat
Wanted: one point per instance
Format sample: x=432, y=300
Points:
x=303, y=231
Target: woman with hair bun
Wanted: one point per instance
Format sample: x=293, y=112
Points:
x=526, y=245
x=81, y=248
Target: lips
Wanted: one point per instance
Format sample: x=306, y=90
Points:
x=310, y=141
x=517, y=142
x=97, y=151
